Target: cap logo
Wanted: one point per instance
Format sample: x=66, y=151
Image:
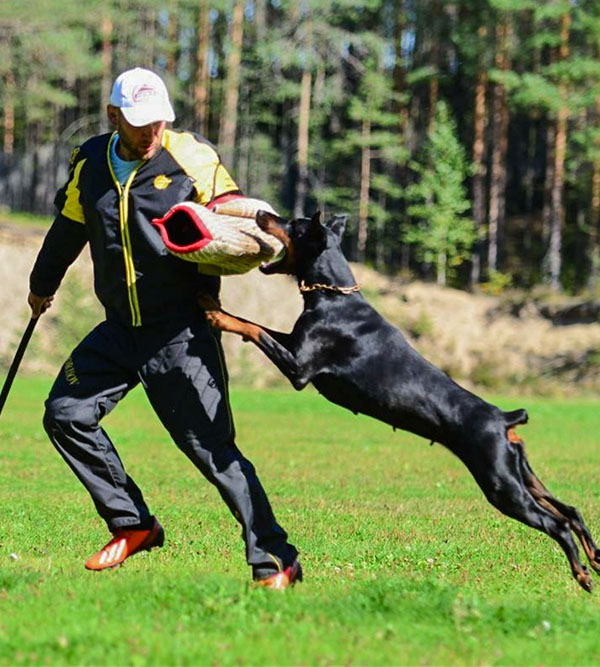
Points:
x=143, y=92
x=162, y=182
x=143, y=97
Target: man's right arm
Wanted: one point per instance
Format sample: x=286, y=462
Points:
x=63, y=243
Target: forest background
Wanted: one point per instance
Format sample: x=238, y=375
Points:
x=462, y=138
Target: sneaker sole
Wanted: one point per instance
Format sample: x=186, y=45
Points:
x=295, y=576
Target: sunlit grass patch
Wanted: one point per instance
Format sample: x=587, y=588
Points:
x=405, y=562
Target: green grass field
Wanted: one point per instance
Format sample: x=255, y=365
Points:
x=404, y=560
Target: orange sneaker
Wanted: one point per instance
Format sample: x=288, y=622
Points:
x=125, y=543
x=281, y=580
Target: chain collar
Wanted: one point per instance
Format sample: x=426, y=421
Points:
x=331, y=288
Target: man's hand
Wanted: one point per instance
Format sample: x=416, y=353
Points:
x=39, y=304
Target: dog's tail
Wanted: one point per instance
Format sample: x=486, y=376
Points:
x=512, y=419
x=515, y=417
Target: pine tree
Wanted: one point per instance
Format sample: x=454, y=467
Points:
x=442, y=233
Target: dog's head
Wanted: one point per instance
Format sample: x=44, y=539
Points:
x=304, y=240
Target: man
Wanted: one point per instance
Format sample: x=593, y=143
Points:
x=154, y=332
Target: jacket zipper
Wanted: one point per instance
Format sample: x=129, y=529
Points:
x=130, y=276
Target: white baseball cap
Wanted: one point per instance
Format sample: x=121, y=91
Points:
x=142, y=97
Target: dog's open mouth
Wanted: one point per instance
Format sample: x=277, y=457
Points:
x=272, y=265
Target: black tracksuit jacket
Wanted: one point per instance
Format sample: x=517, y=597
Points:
x=136, y=279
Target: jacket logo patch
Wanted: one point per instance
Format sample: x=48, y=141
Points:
x=162, y=182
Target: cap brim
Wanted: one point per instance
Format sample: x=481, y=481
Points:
x=138, y=116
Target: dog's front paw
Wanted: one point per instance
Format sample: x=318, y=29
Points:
x=216, y=319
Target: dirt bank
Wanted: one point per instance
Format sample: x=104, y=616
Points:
x=478, y=339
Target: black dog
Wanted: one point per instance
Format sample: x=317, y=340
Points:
x=358, y=360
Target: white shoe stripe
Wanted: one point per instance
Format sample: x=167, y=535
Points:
x=111, y=553
x=121, y=544
x=103, y=557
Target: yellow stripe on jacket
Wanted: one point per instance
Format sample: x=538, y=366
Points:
x=72, y=208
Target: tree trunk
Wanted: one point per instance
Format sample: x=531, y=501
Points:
x=303, y=142
x=381, y=247
x=243, y=172
x=232, y=83
x=151, y=48
x=201, y=83
x=434, y=82
x=9, y=115
x=556, y=210
x=595, y=212
x=557, y=215
x=365, y=179
x=399, y=73
x=441, y=269
x=260, y=19
x=171, y=65
x=287, y=152
x=402, y=111
x=548, y=180
x=32, y=147
x=52, y=167
x=500, y=116
x=405, y=259
x=480, y=169
x=106, y=58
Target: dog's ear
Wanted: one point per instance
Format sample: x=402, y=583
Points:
x=337, y=224
x=316, y=229
x=316, y=218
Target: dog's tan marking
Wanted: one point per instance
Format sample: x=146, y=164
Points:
x=513, y=437
x=223, y=321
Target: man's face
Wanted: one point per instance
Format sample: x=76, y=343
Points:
x=136, y=143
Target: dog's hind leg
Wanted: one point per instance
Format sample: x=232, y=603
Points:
x=500, y=474
x=554, y=505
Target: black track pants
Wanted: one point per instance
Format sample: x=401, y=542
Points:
x=181, y=368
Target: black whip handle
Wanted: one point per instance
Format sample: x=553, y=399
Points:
x=14, y=367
